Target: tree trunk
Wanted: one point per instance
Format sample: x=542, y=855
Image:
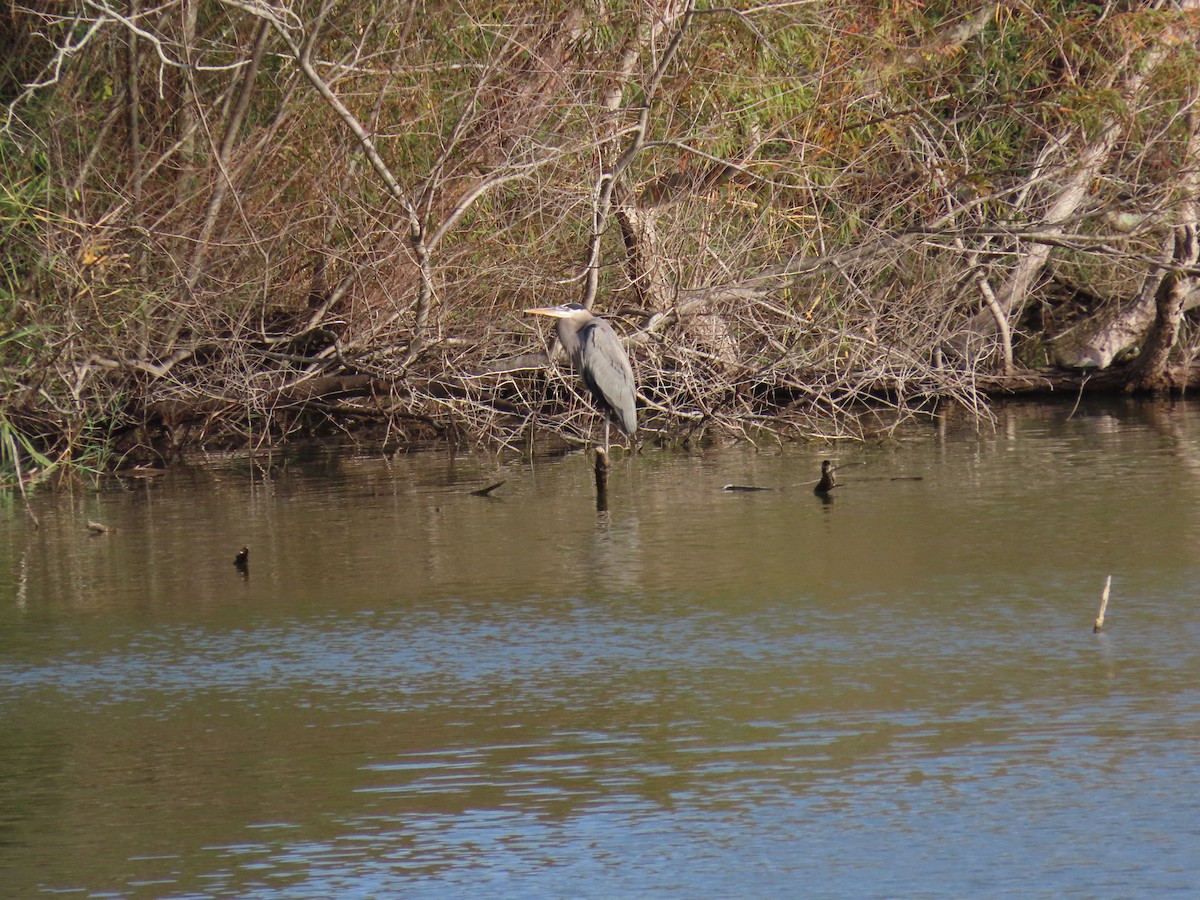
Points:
x=644, y=264
x=637, y=214
x=646, y=267
x=982, y=335
x=614, y=165
x=1098, y=341
x=223, y=160
x=1150, y=370
x=189, y=111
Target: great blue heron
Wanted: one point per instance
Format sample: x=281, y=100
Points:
x=596, y=353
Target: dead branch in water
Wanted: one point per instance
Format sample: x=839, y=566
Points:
x=1099, y=624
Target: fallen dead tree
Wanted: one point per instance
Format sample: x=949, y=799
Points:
x=1066, y=382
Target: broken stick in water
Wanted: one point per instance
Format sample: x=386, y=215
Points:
x=487, y=491
x=1103, y=606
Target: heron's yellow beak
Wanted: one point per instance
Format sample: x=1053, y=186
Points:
x=556, y=312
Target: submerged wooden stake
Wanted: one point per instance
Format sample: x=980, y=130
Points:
x=601, y=471
x=1103, y=606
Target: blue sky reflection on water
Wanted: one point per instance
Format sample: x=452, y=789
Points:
x=897, y=694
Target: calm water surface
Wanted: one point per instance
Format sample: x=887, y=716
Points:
x=420, y=693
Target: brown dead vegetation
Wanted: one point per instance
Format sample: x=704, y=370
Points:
x=230, y=223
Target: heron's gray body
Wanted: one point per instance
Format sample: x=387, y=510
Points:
x=607, y=375
x=597, y=355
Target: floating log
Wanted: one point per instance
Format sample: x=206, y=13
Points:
x=99, y=528
x=1103, y=606
x=744, y=487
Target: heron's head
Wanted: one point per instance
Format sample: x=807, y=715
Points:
x=562, y=311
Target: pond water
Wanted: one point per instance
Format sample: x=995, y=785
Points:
x=418, y=692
